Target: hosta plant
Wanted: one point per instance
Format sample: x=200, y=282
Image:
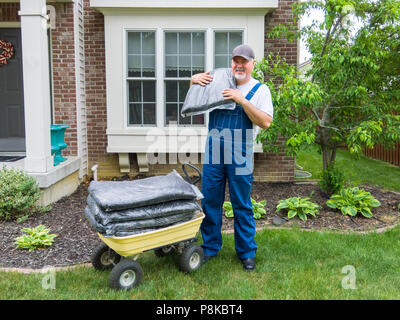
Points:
x=35, y=238
x=300, y=207
x=258, y=209
x=351, y=201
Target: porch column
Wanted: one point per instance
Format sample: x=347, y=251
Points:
x=36, y=85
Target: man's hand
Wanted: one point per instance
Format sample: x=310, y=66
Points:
x=258, y=117
x=201, y=79
x=233, y=94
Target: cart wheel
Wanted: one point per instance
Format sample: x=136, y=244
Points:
x=191, y=258
x=164, y=251
x=126, y=275
x=104, y=258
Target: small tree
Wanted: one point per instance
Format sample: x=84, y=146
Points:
x=351, y=94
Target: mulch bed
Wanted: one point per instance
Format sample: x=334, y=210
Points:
x=77, y=239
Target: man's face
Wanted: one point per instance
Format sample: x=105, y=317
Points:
x=242, y=68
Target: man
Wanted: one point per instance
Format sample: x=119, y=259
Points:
x=230, y=148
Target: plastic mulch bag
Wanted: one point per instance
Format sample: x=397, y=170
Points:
x=139, y=213
x=101, y=229
x=120, y=195
x=202, y=99
x=138, y=226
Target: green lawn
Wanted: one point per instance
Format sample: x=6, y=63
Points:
x=363, y=170
x=291, y=264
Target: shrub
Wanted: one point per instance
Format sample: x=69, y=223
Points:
x=258, y=209
x=35, y=238
x=351, y=201
x=19, y=194
x=300, y=207
x=332, y=180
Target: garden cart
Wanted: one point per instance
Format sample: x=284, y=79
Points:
x=120, y=253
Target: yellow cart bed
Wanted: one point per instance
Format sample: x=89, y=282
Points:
x=120, y=253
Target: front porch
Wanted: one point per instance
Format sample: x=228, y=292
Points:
x=33, y=75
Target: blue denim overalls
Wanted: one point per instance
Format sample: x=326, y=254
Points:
x=229, y=155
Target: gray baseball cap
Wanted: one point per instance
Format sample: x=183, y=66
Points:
x=243, y=51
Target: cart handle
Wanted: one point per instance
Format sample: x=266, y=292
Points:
x=188, y=179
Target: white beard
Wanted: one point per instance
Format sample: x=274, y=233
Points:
x=240, y=76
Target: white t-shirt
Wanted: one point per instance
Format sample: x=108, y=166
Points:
x=261, y=100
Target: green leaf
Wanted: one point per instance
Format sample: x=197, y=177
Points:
x=282, y=205
x=331, y=204
x=366, y=212
x=227, y=205
x=292, y=213
x=352, y=211
x=302, y=216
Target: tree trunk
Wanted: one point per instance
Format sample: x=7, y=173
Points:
x=325, y=157
x=328, y=149
x=328, y=156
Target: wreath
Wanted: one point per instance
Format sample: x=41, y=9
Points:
x=6, y=51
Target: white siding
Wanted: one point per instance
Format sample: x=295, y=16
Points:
x=80, y=86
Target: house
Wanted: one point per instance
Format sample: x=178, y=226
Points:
x=116, y=73
x=303, y=68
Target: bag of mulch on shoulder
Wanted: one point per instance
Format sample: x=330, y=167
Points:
x=147, y=212
x=202, y=99
x=120, y=195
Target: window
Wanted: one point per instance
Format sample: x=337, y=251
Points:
x=224, y=43
x=141, y=79
x=184, y=56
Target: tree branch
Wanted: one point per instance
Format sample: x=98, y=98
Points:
x=327, y=38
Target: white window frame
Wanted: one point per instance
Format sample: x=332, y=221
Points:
x=214, y=30
x=209, y=61
x=126, y=78
x=164, y=79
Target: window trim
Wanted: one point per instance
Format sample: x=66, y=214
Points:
x=214, y=30
x=126, y=78
x=209, y=63
x=164, y=79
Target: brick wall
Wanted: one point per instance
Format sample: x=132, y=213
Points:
x=9, y=12
x=286, y=49
x=95, y=82
x=271, y=166
x=64, y=86
x=274, y=167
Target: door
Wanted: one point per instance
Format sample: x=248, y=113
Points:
x=12, y=121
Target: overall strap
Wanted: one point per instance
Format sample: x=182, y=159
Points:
x=253, y=91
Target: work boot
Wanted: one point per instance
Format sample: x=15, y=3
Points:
x=249, y=264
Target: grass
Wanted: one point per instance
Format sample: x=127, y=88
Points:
x=291, y=264
x=363, y=170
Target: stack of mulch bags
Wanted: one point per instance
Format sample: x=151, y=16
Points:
x=124, y=208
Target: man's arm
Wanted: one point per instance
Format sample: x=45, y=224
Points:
x=258, y=117
x=201, y=79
